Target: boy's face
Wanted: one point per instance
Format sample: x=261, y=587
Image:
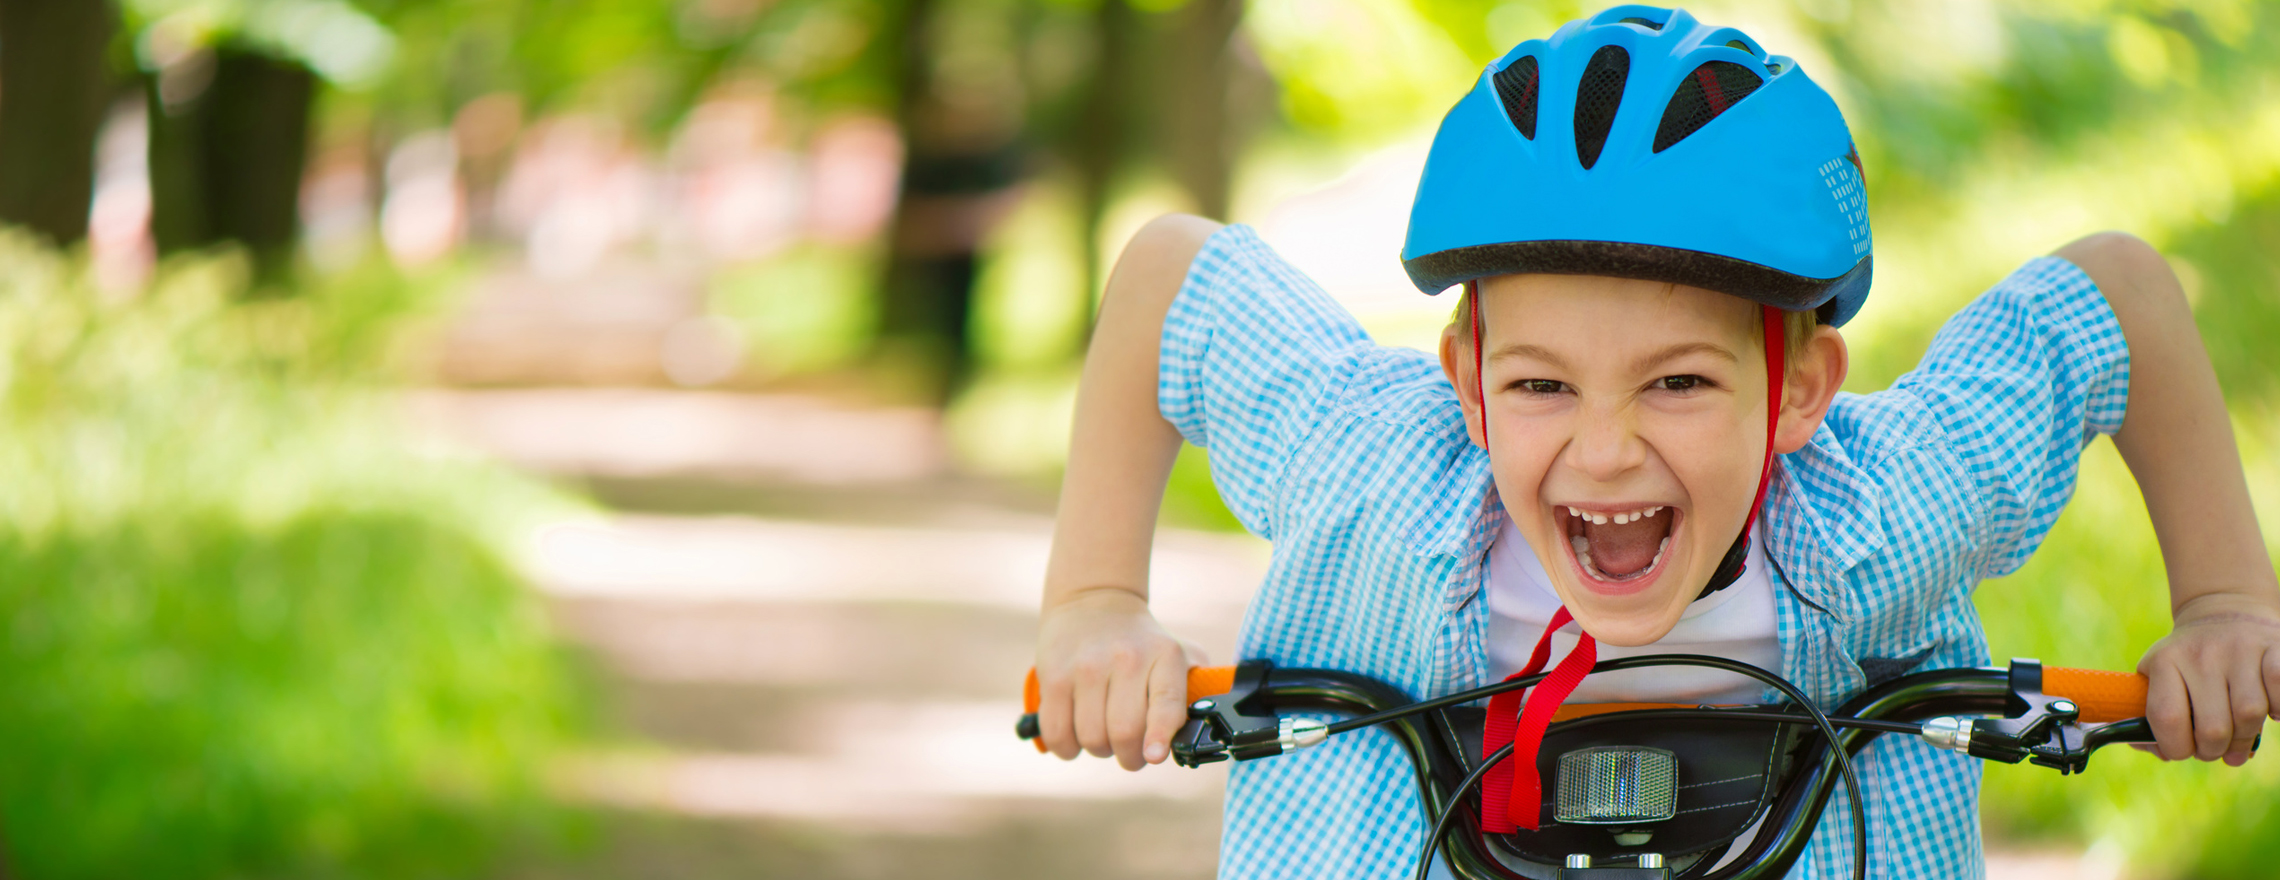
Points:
x=1626, y=427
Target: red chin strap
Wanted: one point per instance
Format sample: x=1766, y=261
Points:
x=1512, y=795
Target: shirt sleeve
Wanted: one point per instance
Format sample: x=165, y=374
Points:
x=2021, y=380
x=1254, y=355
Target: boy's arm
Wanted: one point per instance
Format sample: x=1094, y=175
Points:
x=1111, y=680
x=2216, y=676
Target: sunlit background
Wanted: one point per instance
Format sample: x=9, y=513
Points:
x=600, y=438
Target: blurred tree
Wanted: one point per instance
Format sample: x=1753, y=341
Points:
x=959, y=103
x=232, y=88
x=226, y=159
x=1203, y=68
x=54, y=83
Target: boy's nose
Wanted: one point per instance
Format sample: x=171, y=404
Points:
x=1607, y=444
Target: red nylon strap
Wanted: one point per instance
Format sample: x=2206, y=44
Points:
x=1776, y=368
x=1480, y=382
x=1512, y=792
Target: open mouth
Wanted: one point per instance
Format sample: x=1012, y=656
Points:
x=1618, y=550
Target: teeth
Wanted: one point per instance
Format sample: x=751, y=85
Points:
x=1622, y=518
x=1583, y=556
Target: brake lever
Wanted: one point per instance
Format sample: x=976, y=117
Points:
x=2042, y=729
x=1234, y=725
x=2032, y=720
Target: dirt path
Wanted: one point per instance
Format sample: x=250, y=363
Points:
x=811, y=641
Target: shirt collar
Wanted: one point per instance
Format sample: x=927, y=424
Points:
x=1823, y=517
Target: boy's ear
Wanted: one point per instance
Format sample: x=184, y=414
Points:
x=1812, y=384
x=1457, y=362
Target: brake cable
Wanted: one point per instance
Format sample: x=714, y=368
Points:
x=1819, y=719
x=1441, y=825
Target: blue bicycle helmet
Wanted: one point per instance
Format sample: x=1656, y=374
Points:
x=1640, y=143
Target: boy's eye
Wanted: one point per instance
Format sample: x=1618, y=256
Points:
x=1540, y=386
x=1679, y=383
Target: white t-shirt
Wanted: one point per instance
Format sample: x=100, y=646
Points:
x=1736, y=623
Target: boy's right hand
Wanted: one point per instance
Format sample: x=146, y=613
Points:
x=1111, y=680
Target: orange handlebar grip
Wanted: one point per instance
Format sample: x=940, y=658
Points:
x=1209, y=681
x=1203, y=681
x=2104, y=696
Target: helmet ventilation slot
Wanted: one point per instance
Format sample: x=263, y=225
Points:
x=1516, y=87
x=1598, y=94
x=1705, y=93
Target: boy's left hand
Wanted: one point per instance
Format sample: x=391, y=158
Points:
x=2215, y=678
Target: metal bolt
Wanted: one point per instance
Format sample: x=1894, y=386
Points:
x=1578, y=860
x=1650, y=860
x=2064, y=707
x=1200, y=706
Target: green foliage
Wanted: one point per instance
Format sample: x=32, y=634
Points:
x=247, y=633
x=1191, y=500
x=2094, y=595
x=805, y=310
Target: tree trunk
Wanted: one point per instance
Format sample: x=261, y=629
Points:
x=54, y=85
x=1198, y=74
x=962, y=157
x=226, y=163
x=1103, y=130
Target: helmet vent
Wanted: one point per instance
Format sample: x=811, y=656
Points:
x=1597, y=95
x=1516, y=86
x=1648, y=23
x=1705, y=93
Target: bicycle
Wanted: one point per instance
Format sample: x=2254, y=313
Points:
x=1618, y=802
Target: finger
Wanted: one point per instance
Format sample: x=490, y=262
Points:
x=1128, y=715
x=1167, y=704
x=2211, y=704
x=2249, y=704
x=1196, y=656
x=1056, y=710
x=1092, y=709
x=2167, y=711
x=2272, y=682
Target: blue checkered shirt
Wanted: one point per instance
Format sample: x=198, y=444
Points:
x=1352, y=459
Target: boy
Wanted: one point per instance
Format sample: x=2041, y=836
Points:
x=1642, y=211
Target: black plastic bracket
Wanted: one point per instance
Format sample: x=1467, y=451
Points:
x=1230, y=725
x=2039, y=727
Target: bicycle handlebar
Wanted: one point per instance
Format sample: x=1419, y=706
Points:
x=2052, y=716
x=2103, y=696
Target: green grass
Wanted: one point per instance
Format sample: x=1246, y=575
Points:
x=246, y=630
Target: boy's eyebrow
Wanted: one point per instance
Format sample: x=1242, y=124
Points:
x=1536, y=352
x=1673, y=352
x=1643, y=364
